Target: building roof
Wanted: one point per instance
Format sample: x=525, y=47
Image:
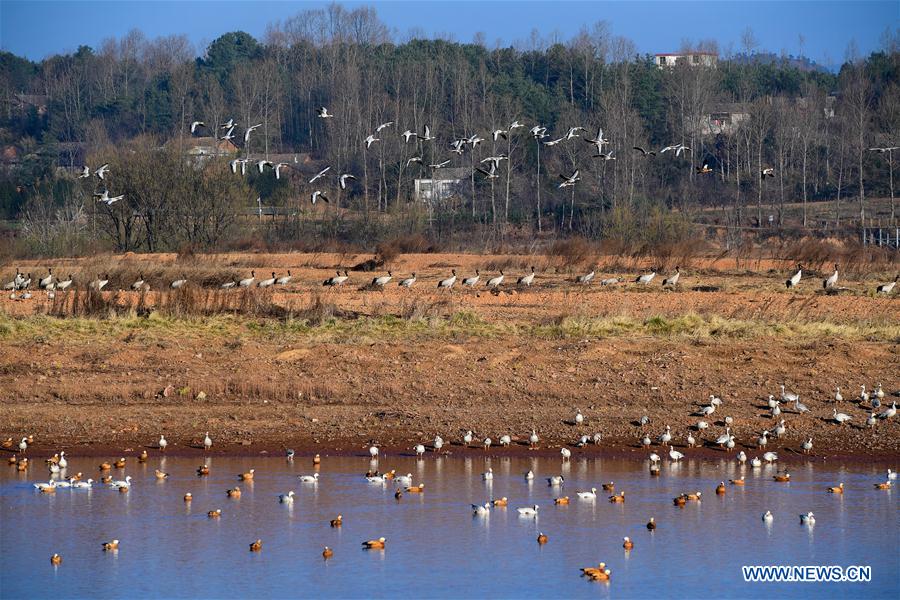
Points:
x=688, y=53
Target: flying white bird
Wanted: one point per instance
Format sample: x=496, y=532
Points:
x=570, y=180
x=371, y=139
x=323, y=113
x=197, y=124
x=250, y=130
x=344, y=178
x=316, y=195
x=102, y=171
x=320, y=174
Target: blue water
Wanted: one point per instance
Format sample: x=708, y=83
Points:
x=435, y=547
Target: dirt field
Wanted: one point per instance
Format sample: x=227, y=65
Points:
x=352, y=366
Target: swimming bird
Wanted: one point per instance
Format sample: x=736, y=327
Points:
x=651, y=524
x=542, y=539
x=416, y=489
x=160, y=474
x=756, y=462
x=736, y=481
x=109, y=546
x=404, y=479
x=234, y=492
x=286, y=498
x=314, y=478
x=256, y=546
x=654, y=457
x=504, y=501
x=590, y=495
x=214, y=514
x=46, y=488
x=327, y=553
x=202, y=470
x=528, y=511
x=839, y=489
x=617, y=498
x=529, y=475
x=808, y=519
x=627, y=543
x=374, y=544
x=482, y=510
x=883, y=486
x=768, y=517
x=83, y=484
x=562, y=500
x=782, y=477
x=556, y=480
x=891, y=474
x=121, y=483
x=56, y=559
x=247, y=476
x=488, y=475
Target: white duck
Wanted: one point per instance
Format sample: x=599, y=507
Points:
x=808, y=519
x=528, y=511
x=482, y=510
x=556, y=480
x=566, y=453
x=314, y=478
x=591, y=495
x=770, y=457
x=675, y=455
x=286, y=498
x=840, y=418
x=488, y=475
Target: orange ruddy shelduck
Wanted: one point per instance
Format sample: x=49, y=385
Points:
x=338, y=521
x=202, y=470
x=695, y=496
x=501, y=502
x=188, y=497
x=680, y=500
x=563, y=500
x=246, y=476
x=620, y=497
x=782, y=477
x=736, y=481
x=113, y=545
x=120, y=464
x=142, y=457
x=608, y=487
x=235, y=492
x=883, y=486
x=374, y=544
x=55, y=559
x=416, y=489
x=327, y=553
x=837, y=490
x=541, y=539
x=627, y=544
x=317, y=460
x=106, y=479
x=256, y=546
x=105, y=466
x=214, y=514
x=720, y=489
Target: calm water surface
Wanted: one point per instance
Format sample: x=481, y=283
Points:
x=435, y=547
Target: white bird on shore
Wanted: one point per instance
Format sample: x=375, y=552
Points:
x=832, y=279
x=248, y=281
x=840, y=418
x=178, y=283
x=646, y=278
x=494, y=282
x=526, y=279
x=533, y=439
x=770, y=457
x=654, y=457
x=448, y=283
x=486, y=443
x=646, y=441
x=742, y=457
x=162, y=442
x=207, y=442
x=408, y=282
x=264, y=283
x=871, y=420
x=890, y=412
x=284, y=280
x=63, y=463
x=675, y=455
x=439, y=443
x=383, y=280
x=794, y=281
x=505, y=440
x=887, y=288
x=763, y=439
x=780, y=428
x=373, y=451
x=722, y=439
x=863, y=395
x=702, y=425
x=528, y=511
x=800, y=407
x=420, y=450
x=467, y=439
x=579, y=418
x=586, y=278
x=666, y=436
x=566, y=453
x=673, y=279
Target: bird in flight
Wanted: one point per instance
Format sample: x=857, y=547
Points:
x=570, y=180
x=323, y=113
x=344, y=178
x=320, y=174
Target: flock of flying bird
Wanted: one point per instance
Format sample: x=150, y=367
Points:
x=457, y=146
x=22, y=282
x=405, y=484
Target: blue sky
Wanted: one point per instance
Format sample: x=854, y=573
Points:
x=39, y=28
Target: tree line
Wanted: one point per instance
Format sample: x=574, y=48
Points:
x=122, y=102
